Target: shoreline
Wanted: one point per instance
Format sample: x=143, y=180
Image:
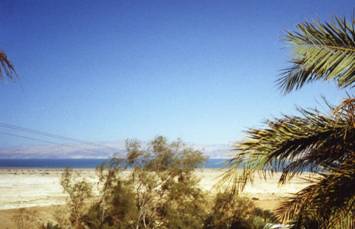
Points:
x=33, y=187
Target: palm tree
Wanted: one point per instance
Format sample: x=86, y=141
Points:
x=322, y=143
x=6, y=67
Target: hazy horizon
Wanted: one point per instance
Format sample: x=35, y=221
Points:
x=101, y=150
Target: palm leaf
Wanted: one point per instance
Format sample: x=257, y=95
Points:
x=293, y=144
x=322, y=51
x=6, y=67
x=333, y=190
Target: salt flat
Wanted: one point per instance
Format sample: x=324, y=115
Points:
x=41, y=187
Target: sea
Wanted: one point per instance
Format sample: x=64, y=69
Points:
x=80, y=163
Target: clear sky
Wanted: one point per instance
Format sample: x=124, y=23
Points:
x=204, y=71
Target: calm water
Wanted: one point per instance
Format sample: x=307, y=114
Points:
x=77, y=163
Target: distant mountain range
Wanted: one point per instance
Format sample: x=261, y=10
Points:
x=94, y=151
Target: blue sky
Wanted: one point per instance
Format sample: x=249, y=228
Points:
x=203, y=71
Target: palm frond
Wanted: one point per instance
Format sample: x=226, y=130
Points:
x=322, y=51
x=333, y=190
x=6, y=67
x=293, y=144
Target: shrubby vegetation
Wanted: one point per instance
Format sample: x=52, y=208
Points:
x=159, y=191
x=231, y=211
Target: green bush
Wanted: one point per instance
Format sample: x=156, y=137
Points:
x=160, y=191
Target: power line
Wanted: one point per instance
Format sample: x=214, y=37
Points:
x=29, y=138
x=50, y=135
x=39, y=140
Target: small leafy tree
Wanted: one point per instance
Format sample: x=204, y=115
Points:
x=229, y=210
x=160, y=190
x=232, y=211
x=78, y=192
x=116, y=206
x=179, y=202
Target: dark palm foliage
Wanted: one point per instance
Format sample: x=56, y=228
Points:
x=322, y=51
x=6, y=67
x=312, y=141
x=327, y=201
x=293, y=144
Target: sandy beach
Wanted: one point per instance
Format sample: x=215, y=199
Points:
x=40, y=189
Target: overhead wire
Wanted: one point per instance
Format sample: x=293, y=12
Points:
x=50, y=135
x=28, y=138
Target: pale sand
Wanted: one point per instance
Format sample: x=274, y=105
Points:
x=41, y=187
x=40, y=190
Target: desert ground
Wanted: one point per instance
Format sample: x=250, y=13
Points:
x=40, y=189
